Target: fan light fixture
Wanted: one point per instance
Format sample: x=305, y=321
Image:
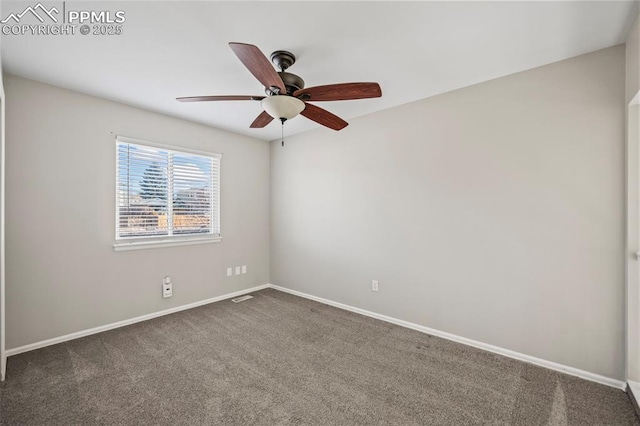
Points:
x=282, y=106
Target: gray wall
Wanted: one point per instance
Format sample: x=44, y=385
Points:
x=62, y=273
x=633, y=61
x=494, y=212
x=3, y=358
x=633, y=203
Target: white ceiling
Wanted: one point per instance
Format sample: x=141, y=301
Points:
x=413, y=49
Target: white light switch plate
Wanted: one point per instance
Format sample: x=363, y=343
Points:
x=244, y=269
x=237, y=270
x=229, y=272
x=374, y=285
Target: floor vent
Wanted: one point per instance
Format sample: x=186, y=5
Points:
x=241, y=299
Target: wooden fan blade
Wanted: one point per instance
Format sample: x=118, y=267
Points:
x=220, y=98
x=258, y=65
x=340, y=92
x=262, y=120
x=324, y=117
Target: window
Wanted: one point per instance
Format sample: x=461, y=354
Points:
x=165, y=196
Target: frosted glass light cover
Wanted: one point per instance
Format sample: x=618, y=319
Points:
x=282, y=106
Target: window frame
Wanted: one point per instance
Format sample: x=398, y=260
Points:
x=145, y=242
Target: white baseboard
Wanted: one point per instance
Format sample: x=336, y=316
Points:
x=83, y=333
x=480, y=345
x=635, y=391
x=635, y=387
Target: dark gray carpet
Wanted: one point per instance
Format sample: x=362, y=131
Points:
x=281, y=359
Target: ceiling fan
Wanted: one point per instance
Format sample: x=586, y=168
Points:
x=286, y=96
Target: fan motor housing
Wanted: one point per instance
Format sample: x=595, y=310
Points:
x=292, y=82
x=283, y=60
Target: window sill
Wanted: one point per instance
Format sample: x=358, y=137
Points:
x=142, y=245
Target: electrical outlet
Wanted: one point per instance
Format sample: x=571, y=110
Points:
x=167, y=287
x=244, y=269
x=229, y=272
x=374, y=285
x=237, y=270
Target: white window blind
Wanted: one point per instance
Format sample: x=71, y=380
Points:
x=165, y=193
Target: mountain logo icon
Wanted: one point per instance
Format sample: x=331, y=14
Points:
x=38, y=11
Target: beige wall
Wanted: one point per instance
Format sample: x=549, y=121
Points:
x=3, y=358
x=494, y=212
x=633, y=245
x=632, y=52
x=62, y=273
x=633, y=203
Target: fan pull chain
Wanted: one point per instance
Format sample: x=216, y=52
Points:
x=282, y=120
